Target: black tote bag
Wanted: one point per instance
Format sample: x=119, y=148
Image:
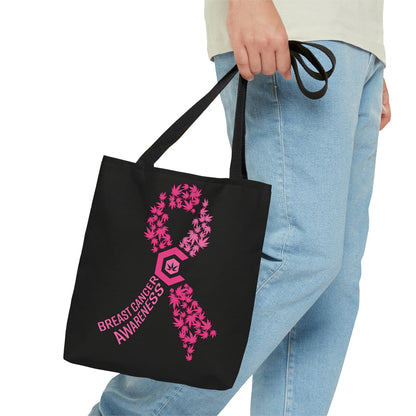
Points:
x=168, y=271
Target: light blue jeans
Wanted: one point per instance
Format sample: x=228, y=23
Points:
x=319, y=156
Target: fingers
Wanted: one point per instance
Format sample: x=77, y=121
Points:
x=283, y=61
x=385, y=117
x=252, y=60
x=242, y=61
x=386, y=110
x=268, y=62
x=258, y=38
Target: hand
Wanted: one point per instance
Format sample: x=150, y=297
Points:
x=386, y=111
x=258, y=38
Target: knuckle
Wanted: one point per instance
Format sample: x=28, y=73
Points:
x=241, y=59
x=250, y=40
x=263, y=41
x=241, y=62
x=281, y=42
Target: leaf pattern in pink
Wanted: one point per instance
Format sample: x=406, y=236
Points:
x=186, y=197
x=195, y=325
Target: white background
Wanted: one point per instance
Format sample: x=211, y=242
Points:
x=79, y=79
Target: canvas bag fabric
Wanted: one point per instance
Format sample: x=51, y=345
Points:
x=168, y=270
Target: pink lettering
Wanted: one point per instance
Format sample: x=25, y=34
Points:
x=159, y=289
x=149, y=307
x=101, y=326
x=141, y=306
x=119, y=337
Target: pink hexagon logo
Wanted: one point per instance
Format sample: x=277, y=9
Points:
x=174, y=251
x=172, y=266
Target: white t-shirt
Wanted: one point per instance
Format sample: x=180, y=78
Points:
x=358, y=22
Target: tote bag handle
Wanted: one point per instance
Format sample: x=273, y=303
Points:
x=238, y=165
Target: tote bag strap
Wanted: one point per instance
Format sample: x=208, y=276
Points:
x=238, y=169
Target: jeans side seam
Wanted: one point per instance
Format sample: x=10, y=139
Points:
x=178, y=389
x=287, y=411
x=283, y=264
x=370, y=61
x=279, y=109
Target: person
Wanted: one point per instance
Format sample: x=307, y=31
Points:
x=319, y=155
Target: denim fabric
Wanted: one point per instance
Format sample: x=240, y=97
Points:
x=319, y=156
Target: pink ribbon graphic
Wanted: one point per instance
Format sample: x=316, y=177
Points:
x=188, y=315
